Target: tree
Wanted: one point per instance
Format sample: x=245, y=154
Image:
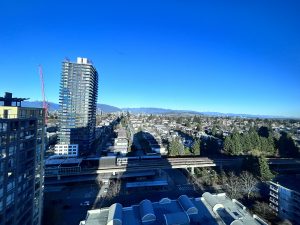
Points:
x=248, y=182
x=114, y=189
x=199, y=127
x=264, y=170
x=228, y=145
x=175, y=147
x=237, y=147
x=233, y=186
x=196, y=147
x=207, y=176
x=214, y=130
x=263, y=209
x=246, y=143
x=223, y=178
x=187, y=151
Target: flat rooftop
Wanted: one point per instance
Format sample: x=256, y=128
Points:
x=210, y=209
x=64, y=162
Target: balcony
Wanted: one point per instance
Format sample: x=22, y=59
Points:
x=273, y=207
x=274, y=188
x=273, y=200
x=273, y=194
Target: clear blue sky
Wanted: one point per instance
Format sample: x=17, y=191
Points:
x=225, y=56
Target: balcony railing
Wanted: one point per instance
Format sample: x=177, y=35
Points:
x=274, y=188
x=273, y=194
x=17, y=116
x=273, y=207
x=274, y=200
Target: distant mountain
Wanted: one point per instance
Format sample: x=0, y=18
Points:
x=191, y=112
x=39, y=104
x=108, y=108
x=54, y=106
x=151, y=110
x=159, y=111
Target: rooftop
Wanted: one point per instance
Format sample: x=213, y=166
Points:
x=8, y=99
x=209, y=209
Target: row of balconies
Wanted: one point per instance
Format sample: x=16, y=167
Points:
x=274, y=200
x=274, y=194
x=274, y=188
x=273, y=207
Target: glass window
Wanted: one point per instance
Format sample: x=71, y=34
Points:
x=2, y=140
x=12, y=150
x=3, y=153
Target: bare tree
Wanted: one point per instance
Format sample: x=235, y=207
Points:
x=264, y=210
x=248, y=182
x=114, y=189
x=233, y=186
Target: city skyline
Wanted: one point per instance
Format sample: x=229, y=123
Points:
x=178, y=55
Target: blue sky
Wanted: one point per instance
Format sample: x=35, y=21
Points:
x=225, y=56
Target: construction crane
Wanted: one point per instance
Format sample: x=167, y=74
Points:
x=45, y=104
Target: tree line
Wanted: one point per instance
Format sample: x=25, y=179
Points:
x=261, y=142
x=175, y=148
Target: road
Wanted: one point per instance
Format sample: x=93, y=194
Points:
x=67, y=199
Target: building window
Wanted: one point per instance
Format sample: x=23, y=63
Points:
x=2, y=140
x=3, y=127
x=3, y=153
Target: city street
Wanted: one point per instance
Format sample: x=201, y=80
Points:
x=63, y=204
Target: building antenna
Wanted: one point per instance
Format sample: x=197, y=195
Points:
x=45, y=105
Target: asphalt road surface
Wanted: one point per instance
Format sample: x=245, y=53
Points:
x=62, y=205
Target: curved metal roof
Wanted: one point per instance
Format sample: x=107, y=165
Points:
x=146, y=211
x=187, y=205
x=212, y=201
x=165, y=201
x=236, y=222
x=115, y=214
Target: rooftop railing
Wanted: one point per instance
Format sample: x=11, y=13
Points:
x=16, y=116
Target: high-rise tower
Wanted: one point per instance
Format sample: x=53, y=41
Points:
x=22, y=146
x=78, y=99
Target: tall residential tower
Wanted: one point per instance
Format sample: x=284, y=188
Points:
x=78, y=99
x=22, y=146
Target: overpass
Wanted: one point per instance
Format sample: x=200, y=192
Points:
x=79, y=173
x=168, y=163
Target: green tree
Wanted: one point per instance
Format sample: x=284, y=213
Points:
x=264, y=169
x=246, y=143
x=187, y=151
x=228, y=145
x=214, y=130
x=196, y=147
x=175, y=148
x=237, y=147
x=199, y=127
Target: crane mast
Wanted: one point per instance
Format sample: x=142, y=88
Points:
x=45, y=105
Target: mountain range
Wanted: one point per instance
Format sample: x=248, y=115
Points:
x=148, y=110
x=54, y=106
